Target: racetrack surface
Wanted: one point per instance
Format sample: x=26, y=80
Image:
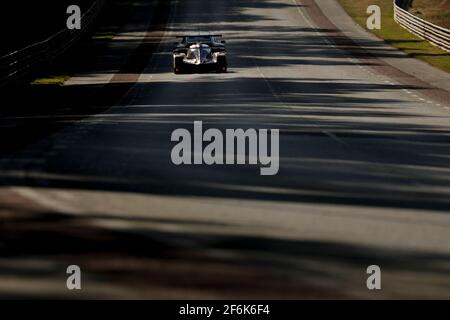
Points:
x=364, y=173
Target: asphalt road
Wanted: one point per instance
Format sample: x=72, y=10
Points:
x=364, y=175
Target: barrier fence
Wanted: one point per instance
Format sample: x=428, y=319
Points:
x=19, y=63
x=436, y=35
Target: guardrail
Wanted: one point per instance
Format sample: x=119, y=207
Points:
x=436, y=35
x=19, y=63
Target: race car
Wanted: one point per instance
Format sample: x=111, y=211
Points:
x=200, y=53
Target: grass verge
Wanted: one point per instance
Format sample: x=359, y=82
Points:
x=395, y=35
x=51, y=80
x=435, y=11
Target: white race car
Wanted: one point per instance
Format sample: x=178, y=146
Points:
x=200, y=53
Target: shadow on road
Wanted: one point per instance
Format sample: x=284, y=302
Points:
x=158, y=263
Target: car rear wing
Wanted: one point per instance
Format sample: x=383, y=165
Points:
x=200, y=35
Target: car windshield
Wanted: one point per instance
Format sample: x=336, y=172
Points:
x=199, y=53
x=205, y=52
x=192, y=54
